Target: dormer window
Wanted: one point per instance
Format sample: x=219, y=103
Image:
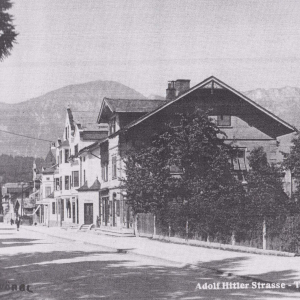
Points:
x=224, y=120
x=112, y=126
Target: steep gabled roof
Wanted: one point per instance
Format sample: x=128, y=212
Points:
x=129, y=105
x=213, y=82
x=133, y=105
x=50, y=159
x=85, y=119
x=96, y=186
x=83, y=188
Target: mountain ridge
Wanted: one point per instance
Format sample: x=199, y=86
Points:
x=43, y=117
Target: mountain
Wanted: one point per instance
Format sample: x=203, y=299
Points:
x=43, y=117
x=283, y=102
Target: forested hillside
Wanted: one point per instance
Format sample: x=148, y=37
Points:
x=18, y=168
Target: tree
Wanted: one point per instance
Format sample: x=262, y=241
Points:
x=290, y=234
x=292, y=162
x=7, y=30
x=184, y=177
x=267, y=203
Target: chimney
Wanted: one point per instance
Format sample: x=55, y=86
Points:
x=176, y=88
x=181, y=86
x=53, y=147
x=171, y=91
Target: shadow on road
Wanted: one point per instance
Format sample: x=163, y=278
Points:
x=110, y=275
x=4, y=243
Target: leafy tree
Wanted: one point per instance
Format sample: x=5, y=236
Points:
x=184, y=177
x=267, y=203
x=7, y=30
x=18, y=168
x=292, y=162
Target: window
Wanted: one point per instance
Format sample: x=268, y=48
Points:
x=66, y=155
x=76, y=150
x=67, y=132
x=112, y=125
x=60, y=183
x=47, y=178
x=114, y=166
x=47, y=191
x=60, y=156
x=53, y=208
x=224, y=120
x=57, y=184
x=104, y=168
x=176, y=171
x=75, y=175
x=83, y=176
x=239, y=159
x=67, y=182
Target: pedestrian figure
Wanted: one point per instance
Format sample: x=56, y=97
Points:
x=18, y=223
x=11, y=221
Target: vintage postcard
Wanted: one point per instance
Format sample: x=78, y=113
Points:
x=149, y=149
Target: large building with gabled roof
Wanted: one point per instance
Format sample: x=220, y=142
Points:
x=246, y=124
x=90, y=156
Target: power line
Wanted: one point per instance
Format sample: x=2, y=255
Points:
x=29, y=137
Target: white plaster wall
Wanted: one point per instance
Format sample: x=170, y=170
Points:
x=88, y=197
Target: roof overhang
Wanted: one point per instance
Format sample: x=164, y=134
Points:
x=104, y=105
x=213, y=80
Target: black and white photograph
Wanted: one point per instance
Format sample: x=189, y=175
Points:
x=149, y=149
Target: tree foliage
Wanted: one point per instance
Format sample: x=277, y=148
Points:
x=292, y=162
x=266, y=199
x=7, y=30
x=18, y=168
x=184, y=174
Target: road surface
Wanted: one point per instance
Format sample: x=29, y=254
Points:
x=54, y=268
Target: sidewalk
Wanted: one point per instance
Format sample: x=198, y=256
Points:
x=265, y=268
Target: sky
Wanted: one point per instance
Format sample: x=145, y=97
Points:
x=145, y=43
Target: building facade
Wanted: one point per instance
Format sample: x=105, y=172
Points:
x=90, y=157
x=80, y=131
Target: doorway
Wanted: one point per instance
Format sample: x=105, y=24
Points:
x=88, y=213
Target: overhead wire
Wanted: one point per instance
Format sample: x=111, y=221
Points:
x=26, y=136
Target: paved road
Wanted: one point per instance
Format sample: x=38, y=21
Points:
x=60, y=269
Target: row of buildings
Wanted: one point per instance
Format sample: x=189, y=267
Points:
x=81, y=181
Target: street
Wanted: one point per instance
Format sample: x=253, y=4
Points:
x=56, y=268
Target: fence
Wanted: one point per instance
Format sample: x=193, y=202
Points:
x=286, y=240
